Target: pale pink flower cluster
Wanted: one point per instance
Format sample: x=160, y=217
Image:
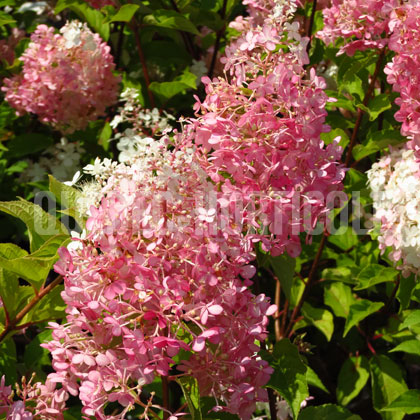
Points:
x=404, y=70
x=7, y=46
x=395, y=190
x=259, y=132
x=361, y=23
x=156, y=283
x=37, y=401
x=67, y=78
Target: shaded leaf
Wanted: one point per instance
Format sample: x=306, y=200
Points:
x=27, y=144
x=289, y=377
x=352, y=378
x=35, y=355
x=328, y=412
x=359, y=311
x=191, y=392
x=408, y=403
x=345, y=240
x=8, y=361
x=319, y=318
x=376, y=142
x=170, y=19
x=9, y=290
x=374, y=274
x=387, y=384
x=339, y=298
x=313, y=380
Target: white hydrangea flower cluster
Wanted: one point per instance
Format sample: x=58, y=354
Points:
x=148, y=121
x=144, y=123
x=395, y=191
x=61, y=160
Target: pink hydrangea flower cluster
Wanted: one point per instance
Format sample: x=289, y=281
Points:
x=7, y=46
x=376, y=24
x=37, y=401
x=160, y=274
x=361, y=23
x=67, y=78
x=404, y=70
x=259, y=132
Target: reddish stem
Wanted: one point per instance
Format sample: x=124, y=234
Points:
x=43, y=292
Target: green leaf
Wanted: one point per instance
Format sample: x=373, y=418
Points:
x=166, y=90
x=328, y=412
x=387, y=384
x=405, y=291
x=359, y=311
x=170, y=19
x=342, y=102
x=105, y=135
x=124, y=14
x=191, y=392
x=341, y=274
x=376, y=142
x=27, y=144
x=6, y=19
x=65, y=195
x=319, y=318
x=353, y=84
x=339, y=298
x=408, y=346
x=9, y=290
x=374, y=274
x=377, y=105
x=36, y=356
x=289, y=377
x=408, y=403
x=412, y=319
x=33, y=268
x=283, y=267
x=352, y=378
x=64, y=4
x=8, y=361
x=337, y=132
x=344, y=240
x=313, y=380
x=50, y=307
x=41, y=225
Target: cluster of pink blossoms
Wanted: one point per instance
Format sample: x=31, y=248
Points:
x=258, y=134
x=361, y=23
x=159, y=271
x=67, y=78
x=37, y=401
x=377, y=24
x=404, y=70
x=160, y=278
